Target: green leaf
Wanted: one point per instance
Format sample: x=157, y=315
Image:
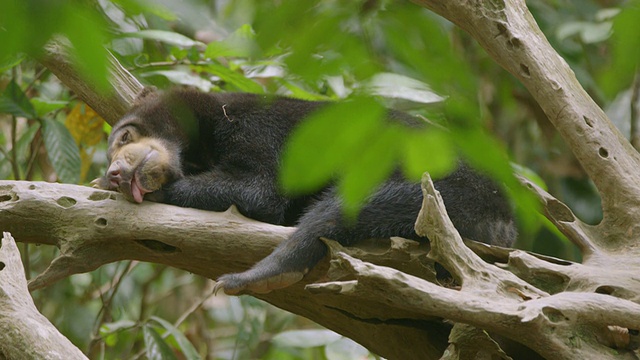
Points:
x=375, y=162
x=185, y=345
x=149, y=7
x=182, y=78
x=589, y=32
x=300, y=93
x=15, y=102
x=86, y=31
x=596, y=32
x=239, y=44
x=110, y=328
x=318, y=39
x=607, y=14
x=108, y=331
x=395, y=86
x=484, y=152
x=168, y=37
x=62, y=151
x=43, y=106
x=305, y=338
x=25, y=140
x=625, y=43
x=428, y=151
x=237, y=80
x=442, y=68
x=10, y=61
x=276, y=20
x=487, y=155
x=156, y=347
x=327, y=140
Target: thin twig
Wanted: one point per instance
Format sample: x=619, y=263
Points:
x=168, y=63
x=36, y=78
x=195, y=306
x=5, y=154
x=32, y=159
x=14, y=149
x=104, y=311
x=14, y=132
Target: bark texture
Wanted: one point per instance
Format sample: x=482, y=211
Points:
x=111, y=105
x=94, y=227
x=24, y=332
x=510, y=35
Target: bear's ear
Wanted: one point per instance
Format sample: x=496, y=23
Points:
x=146, y=94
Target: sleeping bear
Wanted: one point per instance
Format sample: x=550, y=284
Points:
x=210, y=151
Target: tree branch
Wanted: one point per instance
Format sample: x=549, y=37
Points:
x=24, y=332
x=510, y=35
x=490, y=299
x=95, y=227
x=110, y=106
x=383, y=308
x=563, y=218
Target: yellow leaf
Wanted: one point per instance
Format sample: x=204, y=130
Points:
x=87, y=129
x=85, y=125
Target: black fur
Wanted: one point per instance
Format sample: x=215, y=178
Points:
x=231, y=156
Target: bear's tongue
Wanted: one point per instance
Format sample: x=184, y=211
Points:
x=136, y=190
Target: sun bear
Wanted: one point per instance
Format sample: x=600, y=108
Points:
x=210, y=151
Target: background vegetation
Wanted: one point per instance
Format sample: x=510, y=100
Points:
x=373, y=53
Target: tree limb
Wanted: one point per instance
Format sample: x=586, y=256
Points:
x=561, y=310
x=579, y=233
x=24, y=332
x=510, y=35
x=95, y=227
x=110, y=106
x=491, y=299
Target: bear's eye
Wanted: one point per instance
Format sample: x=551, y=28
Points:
x=125, y=138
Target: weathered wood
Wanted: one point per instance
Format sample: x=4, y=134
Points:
x=24, y=332
x=562, y=310
x=510, y=35
x=111, y=105
x=95, y=227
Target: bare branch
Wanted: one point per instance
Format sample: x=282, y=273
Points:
x=540, y=323
x=510, y=35
x=110, y=106
x=448, y=249
x=38, y=338
x=94, y=227
x=495, y=300
x=563, y=218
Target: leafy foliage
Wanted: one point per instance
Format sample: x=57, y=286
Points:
x=626, y=50
x=370, y=55
x=29, y=25
x=62, y=151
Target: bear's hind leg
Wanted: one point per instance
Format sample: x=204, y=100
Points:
x=295, y=256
